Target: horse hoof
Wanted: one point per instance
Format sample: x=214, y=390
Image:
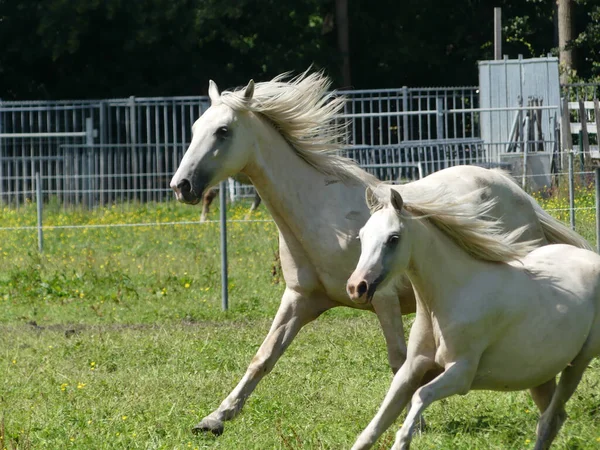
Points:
x=215, y=426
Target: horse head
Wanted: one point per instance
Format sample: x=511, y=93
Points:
x=384, y=247
x=219, y=148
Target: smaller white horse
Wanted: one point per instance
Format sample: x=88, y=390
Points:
x=488, y=317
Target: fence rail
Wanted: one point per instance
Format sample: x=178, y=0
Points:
x=100, y=151
x=137, y=143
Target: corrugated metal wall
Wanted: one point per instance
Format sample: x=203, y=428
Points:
x=509, y=83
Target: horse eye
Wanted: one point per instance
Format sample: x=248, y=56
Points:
x=222, y=132
x=393, y=239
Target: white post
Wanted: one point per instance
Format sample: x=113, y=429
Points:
x=571, y=190
x=223, y=217
x=39, y=200
x=497, y=33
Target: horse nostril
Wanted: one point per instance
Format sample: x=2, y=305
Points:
x=184, y=186
x=362, y=288
x=350, y=288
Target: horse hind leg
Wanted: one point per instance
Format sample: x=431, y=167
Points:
x=255, y=205
x=553, y=417
x=542, y=396
x=207, y=199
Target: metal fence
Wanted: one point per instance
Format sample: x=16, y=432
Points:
x=129, y=150
x=115, y=151
x=98, y=152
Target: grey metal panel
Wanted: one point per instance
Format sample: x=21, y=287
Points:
x=503, y=82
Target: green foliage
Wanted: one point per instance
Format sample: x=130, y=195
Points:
x=98, y=49
x=133, y=274
x=61, y=49
x=587, y=42
x=556, y=202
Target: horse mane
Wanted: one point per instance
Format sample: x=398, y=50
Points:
x=304, y=112
x=465, y=222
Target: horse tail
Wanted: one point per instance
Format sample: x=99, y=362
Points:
x=556, y=232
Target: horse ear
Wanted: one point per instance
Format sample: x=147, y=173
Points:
x=370, y=197
x=249, y=92
x=396, y=199
x=213, y=92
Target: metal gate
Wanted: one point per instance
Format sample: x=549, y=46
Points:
x=137, y=143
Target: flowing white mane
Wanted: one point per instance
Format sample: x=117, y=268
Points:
x=303, y=110
x=468, y=223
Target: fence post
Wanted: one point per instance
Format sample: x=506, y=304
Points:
x=439, y=106
x=134, y=149
x=525, y=151
x=405, y=106
x=223, y=220
x=571, y=190
x=1, y=158
x=103, y=157
x=39, y=201
x=497, y=33
x=597, y=170
x=89, y=142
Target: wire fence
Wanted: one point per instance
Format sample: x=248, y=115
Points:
x=571, y=197
x=100, y=156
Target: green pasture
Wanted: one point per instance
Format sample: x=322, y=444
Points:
x=114, y=338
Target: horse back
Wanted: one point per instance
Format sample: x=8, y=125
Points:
x=562, y=266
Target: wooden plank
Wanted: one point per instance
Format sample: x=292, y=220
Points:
x=538, y=123
x=576, y=128
x=576, y=105
x=585, y=140
x=597, y=116
x=565, y=127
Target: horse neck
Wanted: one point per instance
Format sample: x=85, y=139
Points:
x=303, y=202
x=437, y=265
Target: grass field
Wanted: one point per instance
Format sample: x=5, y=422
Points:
x=115, y=338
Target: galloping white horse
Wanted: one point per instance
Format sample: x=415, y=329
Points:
x=281, y=134
x=488, y=317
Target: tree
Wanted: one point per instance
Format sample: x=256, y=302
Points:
x=587, y=41
x=116, y=48
x=565, y=37
x=343, y=33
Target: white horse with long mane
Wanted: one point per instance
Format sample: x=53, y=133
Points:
x=283, y=136
x=490, y=315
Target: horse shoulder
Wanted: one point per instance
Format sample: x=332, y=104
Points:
x=299, y=273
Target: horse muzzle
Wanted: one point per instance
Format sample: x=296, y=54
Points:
x=360, y=290
x=184, y=192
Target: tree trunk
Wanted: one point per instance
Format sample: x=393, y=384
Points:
x=565, y=36
x=341, y=18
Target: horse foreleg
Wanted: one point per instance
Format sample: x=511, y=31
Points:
x=456, y=379
x=294, y=312
x=389, y=314
x=405, y=383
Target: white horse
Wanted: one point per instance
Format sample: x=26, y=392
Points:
x=281, y=134
x=488, y=317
